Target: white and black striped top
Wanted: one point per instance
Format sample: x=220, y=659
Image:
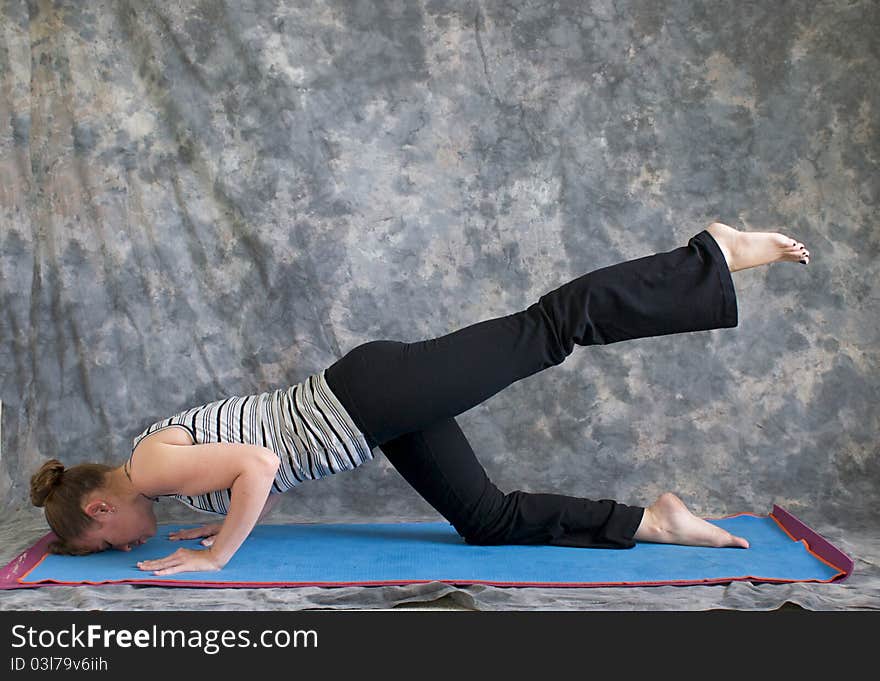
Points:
x=305, y=425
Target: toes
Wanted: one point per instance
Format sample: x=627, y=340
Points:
x=797, y=251
x=738, y=542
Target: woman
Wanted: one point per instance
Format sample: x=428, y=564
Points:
x=235, y=457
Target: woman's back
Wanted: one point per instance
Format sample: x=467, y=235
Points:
x=305, y=425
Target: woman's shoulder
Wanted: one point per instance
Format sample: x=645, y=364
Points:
x=170, y=435
x=146, y=450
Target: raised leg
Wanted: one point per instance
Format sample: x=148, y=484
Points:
x=391, y=387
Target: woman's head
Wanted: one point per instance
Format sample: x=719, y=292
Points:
x=91, y=507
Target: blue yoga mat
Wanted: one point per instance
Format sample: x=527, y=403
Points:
x=342, y=554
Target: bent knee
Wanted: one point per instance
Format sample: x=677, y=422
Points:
x=481, y=535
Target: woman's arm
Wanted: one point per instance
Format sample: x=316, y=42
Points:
x=211, y=529
x=248, y=470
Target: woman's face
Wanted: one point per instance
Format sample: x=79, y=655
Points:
x=121, y=527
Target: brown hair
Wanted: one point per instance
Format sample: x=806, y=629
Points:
x=61, y=491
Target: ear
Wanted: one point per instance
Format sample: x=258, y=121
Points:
x=99, y=509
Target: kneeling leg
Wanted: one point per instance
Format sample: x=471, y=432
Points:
x=441, y=466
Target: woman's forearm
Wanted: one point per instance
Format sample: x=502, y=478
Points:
x=249, y=492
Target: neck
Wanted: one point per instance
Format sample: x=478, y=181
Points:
x=119, y=484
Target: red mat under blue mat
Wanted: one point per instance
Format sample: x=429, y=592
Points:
x=783, y=549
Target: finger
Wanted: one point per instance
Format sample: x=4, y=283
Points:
x=166, y=565
x=208, y=542
x=192, y=531
x=157, y=561
x=170, y=570
x=154, y=564
x=161, y=562
x=185, y=534
x=151, y=567
x=195, y=533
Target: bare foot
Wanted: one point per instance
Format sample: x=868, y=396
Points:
x=751, y=249
x=668, y=521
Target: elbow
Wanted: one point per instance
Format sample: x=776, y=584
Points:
x=270, y=462
x=265, y=464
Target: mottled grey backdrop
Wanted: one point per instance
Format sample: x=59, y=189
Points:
x=210, y=198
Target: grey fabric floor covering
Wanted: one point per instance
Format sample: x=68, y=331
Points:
x=860, y=592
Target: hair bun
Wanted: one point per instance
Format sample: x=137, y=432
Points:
x=45, y=480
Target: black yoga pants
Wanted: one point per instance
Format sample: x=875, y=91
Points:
x=404, y=397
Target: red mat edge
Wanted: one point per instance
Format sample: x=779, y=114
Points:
x=815, y=543
x=24, y=563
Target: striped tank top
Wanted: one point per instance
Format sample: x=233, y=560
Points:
x=305, y=425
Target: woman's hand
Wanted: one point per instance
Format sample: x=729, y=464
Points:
x=207, y=531
x=183, y=560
